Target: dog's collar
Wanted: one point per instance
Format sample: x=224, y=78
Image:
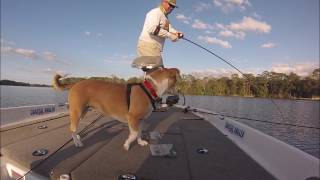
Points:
x=151, y=90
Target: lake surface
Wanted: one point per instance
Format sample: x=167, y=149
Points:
x=301, y=112
x=12, y=96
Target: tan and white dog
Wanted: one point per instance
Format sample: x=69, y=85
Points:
x=111, y=99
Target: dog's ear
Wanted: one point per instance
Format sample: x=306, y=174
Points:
x=174, y=72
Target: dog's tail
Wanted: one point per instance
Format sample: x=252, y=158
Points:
x=57, y=85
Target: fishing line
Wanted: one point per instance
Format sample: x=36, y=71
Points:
x=215, y=55
x=277, y=107
x=251, y=119
x=67, y=142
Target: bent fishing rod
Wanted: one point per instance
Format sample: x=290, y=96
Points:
x=181, y=36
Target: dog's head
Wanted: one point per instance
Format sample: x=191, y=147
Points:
x=165, y=78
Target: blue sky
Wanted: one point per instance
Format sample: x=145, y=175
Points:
x=98, y=38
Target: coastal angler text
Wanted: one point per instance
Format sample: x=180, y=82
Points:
x=44, y=110
x=234, y=130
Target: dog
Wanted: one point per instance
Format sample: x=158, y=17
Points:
x=112, y=100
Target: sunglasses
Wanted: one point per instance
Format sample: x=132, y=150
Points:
x=171, y=6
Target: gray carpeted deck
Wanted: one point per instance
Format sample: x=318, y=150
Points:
x=103, y=156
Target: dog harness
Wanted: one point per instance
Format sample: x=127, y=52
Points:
x=147, y=87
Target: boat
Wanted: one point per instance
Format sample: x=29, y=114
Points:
x=184, y=143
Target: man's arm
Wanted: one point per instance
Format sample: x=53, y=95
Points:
x=178, y=33
x=153, y=23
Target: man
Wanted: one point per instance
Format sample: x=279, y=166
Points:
x=155, y=30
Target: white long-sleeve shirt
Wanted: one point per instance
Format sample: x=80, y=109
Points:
x=154, y=18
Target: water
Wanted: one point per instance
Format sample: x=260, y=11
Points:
x=12, y=96
x=302, y=112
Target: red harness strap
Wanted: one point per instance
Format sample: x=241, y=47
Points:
x=150, y=88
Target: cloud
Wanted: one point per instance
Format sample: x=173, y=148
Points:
x=49, y=55
x=221, y=26
x=228, y=6
x=209, y=32
x=213, y=40
x=301, y=69
x=198, y=24
x=222, y=72
x=87, y=33
x=201, y=6
x=31, y=54
x=228, y=33
x=268, y=45
x=183, y=18
x=250, y=24
x=256, y=15
x=26, y=53
x=7, y=43
x=236, y=30
x=6, y=49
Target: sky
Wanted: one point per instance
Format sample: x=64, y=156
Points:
x=98, y=38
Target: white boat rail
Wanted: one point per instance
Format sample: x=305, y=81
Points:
x=16, y=115
x=282, y=160
x=23, y=114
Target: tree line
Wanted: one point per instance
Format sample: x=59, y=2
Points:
x=266, y=85
x=15, y=83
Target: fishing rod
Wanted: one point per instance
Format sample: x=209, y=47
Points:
x=181, y=36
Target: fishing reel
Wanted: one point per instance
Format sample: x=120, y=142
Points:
x=174, y=97
x=172, y=100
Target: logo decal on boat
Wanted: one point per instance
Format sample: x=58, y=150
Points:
x=41, y=111
x=234, y=130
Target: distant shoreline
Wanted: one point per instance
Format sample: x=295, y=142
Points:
x=15, y=83
x=275, y=98
x=309, y=99
x=23, y=84
x=27, y=86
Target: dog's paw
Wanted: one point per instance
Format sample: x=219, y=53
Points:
x=142, y=142
x=77, y=141
x=79, y=145
x=126, y=147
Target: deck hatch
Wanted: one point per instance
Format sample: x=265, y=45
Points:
x=128, y=176
x=202, y=151
x=40, y=152
x=42, y=127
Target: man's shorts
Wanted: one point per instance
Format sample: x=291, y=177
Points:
x=148, y=49
x=149, y=55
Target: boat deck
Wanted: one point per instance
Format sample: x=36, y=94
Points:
x=103, y=156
